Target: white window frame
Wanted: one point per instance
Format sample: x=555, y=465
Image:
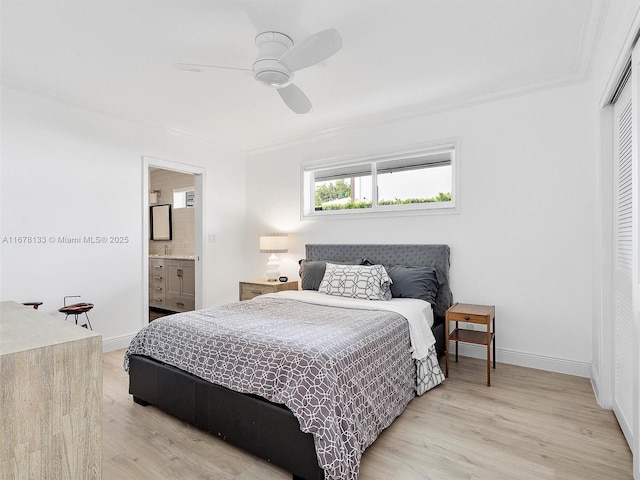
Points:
x=307, y=182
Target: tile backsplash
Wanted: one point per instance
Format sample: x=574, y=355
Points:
x=183, y=237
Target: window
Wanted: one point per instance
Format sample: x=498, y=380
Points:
x=422, y=179
x=343, y=188
x=184, y=198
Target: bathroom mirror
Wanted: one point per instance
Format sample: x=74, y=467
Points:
x=160, y=216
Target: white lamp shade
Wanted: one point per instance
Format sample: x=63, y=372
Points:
x=273, y=243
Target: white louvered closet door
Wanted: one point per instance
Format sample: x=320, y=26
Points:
x=624, y=217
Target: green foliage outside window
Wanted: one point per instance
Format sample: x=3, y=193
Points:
x=328, y=192
x=341, y=189
x=441, y=197
x=344, y=206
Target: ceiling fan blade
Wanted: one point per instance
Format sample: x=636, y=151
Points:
x=295, y=99
x=312, y=50
x=195, y=67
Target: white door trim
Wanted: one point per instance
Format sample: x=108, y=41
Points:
x=200, y=181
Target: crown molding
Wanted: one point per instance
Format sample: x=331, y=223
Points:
x=23, y=87
x=593, y=24
x=409, y=112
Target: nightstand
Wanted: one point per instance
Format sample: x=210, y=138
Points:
x=469, y=313
x=253, y=288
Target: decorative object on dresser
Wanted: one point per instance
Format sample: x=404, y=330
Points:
x=253, y=288
x=273, y=243
x=309, y=353
x=76, y=309
x=51, y=402
x=35, y=305
x=476, y=314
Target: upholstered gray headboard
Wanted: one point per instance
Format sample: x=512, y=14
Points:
x=389, y=255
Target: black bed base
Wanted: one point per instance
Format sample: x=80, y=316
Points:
x=265, y=429
x=252, y=423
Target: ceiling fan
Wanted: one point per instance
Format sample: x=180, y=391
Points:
x=278, y=58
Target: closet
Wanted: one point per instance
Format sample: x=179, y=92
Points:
x=625, y=258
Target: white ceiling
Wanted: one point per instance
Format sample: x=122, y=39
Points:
x=398, y=56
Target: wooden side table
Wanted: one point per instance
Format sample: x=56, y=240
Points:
x=253, y=288
x=469, y=313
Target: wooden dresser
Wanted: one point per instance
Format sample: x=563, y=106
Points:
x=50, y=397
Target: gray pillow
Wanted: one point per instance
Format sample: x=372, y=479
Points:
x=311, y=273
x=414, y=282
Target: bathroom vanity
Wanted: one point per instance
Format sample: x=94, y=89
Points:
x=172, y=283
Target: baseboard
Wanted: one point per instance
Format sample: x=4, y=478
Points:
x=116, y=343
x=541, y=362
x=595, y=385
x=603, y=396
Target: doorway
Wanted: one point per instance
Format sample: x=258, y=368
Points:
x=173, y=196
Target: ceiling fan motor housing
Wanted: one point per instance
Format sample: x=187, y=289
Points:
x=266, y=68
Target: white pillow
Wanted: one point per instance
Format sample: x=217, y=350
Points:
x=369, y=282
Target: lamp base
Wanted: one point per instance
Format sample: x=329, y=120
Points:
x=272, y=272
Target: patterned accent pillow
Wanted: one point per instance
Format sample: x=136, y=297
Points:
x=356, y=281
x=312, y=272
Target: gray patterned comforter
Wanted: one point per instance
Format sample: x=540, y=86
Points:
x=346, y=374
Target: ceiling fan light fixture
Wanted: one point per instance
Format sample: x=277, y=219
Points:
x=266, y=68
x=273, y=78
x=278, y=58
x=271, y=73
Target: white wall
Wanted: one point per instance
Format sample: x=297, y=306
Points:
x=72, y=172
x=523, y=238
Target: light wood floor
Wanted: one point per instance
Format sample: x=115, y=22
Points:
x=529, y=424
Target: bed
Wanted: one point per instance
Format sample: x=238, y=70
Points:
x=308, y=398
